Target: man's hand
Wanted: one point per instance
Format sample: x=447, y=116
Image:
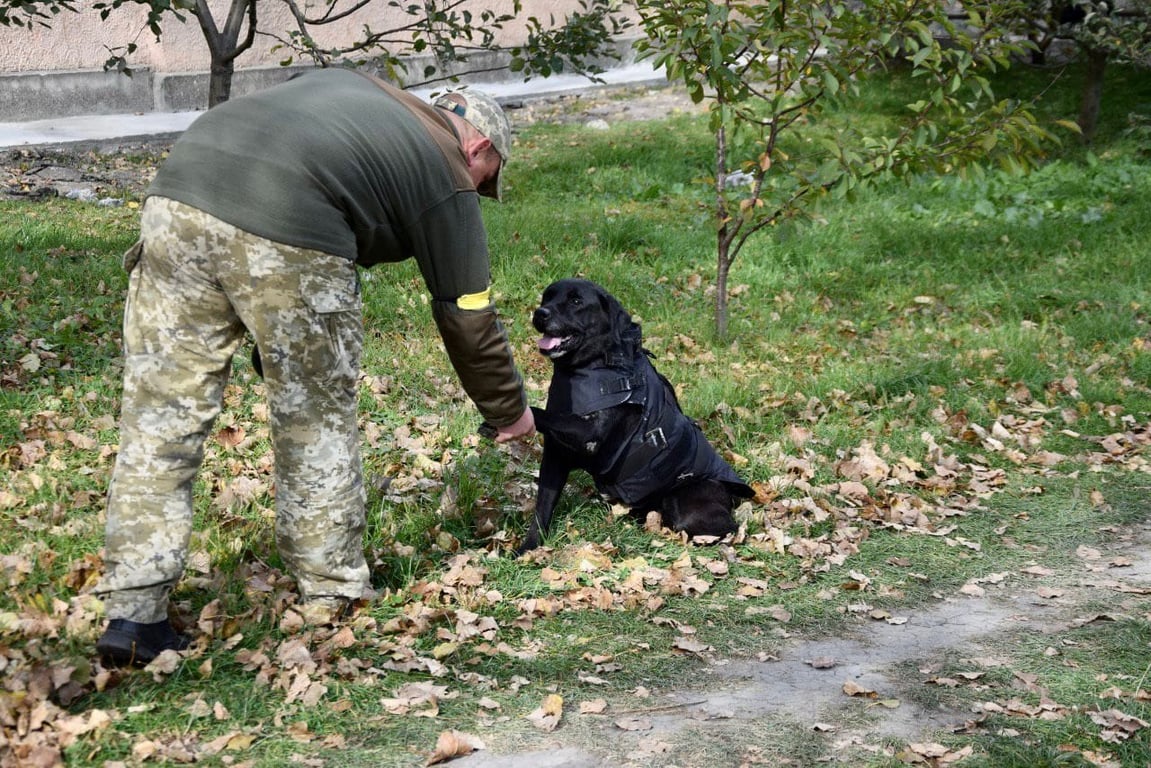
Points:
x=524, y=426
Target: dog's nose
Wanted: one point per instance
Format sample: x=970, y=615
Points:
x=540, y=316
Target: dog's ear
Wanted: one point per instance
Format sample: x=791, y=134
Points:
x=623, y=328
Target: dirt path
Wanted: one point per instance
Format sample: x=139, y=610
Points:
x=794, y=709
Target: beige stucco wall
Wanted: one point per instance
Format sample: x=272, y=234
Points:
x=79, y=41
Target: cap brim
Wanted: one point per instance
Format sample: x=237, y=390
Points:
x=495, y=187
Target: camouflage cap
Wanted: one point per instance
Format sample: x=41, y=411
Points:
x=483, y=112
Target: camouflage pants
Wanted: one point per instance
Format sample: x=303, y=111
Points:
x=196, y=284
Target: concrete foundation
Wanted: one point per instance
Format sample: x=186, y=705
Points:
x=31, y=96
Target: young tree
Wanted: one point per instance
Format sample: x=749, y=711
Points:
x=1105, y=31
x=770, y=68
x=451, y=30
x=224, y=44
x=1100, y=31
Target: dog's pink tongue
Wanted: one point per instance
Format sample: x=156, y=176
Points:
x=549, y=342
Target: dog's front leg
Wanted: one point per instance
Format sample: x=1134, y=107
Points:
x=554, y=473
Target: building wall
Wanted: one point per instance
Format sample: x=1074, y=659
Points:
x=79, y=41
x=58, y=71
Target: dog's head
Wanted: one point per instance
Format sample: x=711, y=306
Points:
x=580, y=322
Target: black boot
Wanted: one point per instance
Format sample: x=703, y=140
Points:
x=129, y=643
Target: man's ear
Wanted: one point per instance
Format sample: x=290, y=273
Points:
x=477, y=147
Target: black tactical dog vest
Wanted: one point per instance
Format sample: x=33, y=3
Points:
x=663, y=452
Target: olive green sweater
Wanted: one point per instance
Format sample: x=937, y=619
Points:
x=341, y=163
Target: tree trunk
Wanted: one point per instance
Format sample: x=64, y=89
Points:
x=722, y=267
x=220, y=83
x=225, y=46
x=723, y=235
x=1092, y=96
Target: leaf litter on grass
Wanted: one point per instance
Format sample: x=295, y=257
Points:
x=427, y=645
x=874, y=488
x=457, y=613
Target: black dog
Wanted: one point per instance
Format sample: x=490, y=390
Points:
x=611, y=414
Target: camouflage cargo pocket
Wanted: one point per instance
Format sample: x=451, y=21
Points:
x=132, y=256
x=335, y=301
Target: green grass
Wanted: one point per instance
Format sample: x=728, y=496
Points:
x=897, y=334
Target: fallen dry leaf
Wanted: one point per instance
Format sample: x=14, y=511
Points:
x=452, y=744
x=1117, y=726
x=933, y=754
x=852, y=688
x=946, y=682
x=230, y=436
x=547, y=716
x=1087, y=553
x=593, y=707
x=240, y=492
x=633, y=724
x=690, y=645
x=972, y=590
x=420, y=699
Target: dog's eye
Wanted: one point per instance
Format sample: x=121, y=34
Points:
x=575, y=301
